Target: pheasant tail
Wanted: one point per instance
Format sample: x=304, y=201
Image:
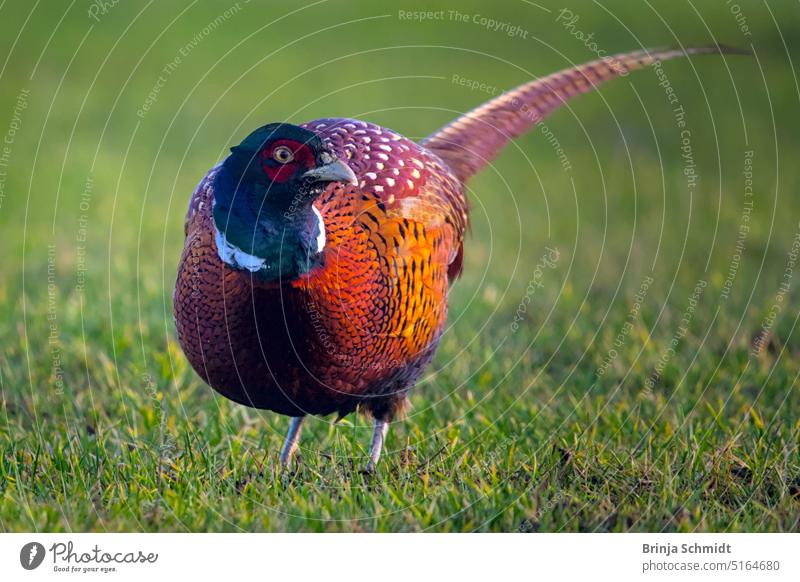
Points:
x=476, y=138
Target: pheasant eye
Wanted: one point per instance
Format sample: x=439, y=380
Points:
x=282, y=155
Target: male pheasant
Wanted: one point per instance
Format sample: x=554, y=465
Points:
x=318, y=257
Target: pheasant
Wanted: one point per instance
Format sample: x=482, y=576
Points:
x=318, y=257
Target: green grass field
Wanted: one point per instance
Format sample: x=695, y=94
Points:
x=599, y=370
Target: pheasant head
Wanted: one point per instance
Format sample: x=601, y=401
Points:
x=263, y=212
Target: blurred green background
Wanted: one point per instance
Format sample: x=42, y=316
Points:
x=115, y=111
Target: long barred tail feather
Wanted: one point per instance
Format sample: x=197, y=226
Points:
x=470, y=142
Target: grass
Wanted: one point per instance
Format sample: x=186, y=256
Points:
x=567, y=395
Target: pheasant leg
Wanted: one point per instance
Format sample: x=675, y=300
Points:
x=376, y=446
x=292, y=439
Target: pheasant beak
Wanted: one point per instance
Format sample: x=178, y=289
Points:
x=332, y=170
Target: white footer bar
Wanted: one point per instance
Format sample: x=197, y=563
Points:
x=400, y=557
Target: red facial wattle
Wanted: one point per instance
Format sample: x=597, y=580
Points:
x=303, y=159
